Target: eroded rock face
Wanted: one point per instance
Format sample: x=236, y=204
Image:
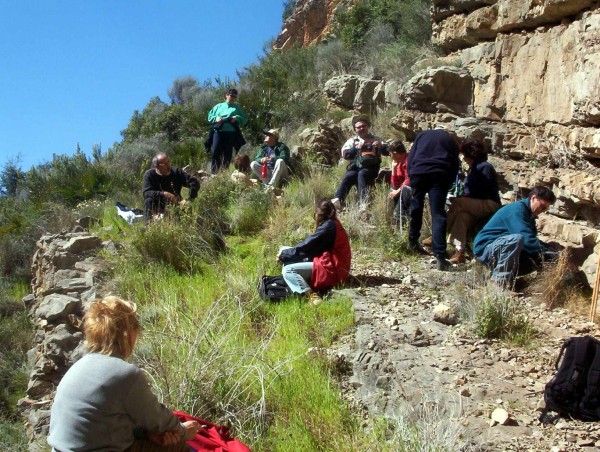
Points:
x=310, y=23
x=325, y=142
x=458, y=24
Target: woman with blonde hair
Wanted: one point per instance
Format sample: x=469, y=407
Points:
x=105, y=403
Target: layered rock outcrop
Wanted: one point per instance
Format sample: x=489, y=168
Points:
x=523, y=75
x=311, y=22
x=68, y=275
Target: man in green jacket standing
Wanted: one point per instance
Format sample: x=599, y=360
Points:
x=272, y=160
x=226, y=118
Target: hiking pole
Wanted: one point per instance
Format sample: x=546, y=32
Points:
x=595, y=293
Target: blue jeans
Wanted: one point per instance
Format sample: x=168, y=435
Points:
x=437, y=186
x=503, y=256
x=297, y=276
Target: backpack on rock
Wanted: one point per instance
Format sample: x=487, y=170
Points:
x=575, y=389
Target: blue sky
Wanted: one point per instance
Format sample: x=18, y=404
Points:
x=73, y=71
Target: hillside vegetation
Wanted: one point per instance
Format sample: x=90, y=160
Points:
x=211, y=346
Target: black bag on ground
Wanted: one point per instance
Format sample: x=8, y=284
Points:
x=273, y=288
x=575, y=389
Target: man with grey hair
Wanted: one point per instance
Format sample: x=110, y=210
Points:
x=162, y=186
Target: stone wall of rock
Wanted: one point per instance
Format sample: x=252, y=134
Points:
x=523, y=75
x=68, y=275
x=311, y=22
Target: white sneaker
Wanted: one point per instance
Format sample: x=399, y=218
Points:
x=336, y=203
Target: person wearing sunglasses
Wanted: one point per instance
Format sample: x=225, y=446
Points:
x=508, y=243
x=226, y=118
x=364, y=151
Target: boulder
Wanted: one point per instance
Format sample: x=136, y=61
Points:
x=441, y=89
x=79, y=244
x=325, y=142
x=57, y=306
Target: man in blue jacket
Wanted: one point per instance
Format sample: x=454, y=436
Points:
x=510, y=237
x=432, y=168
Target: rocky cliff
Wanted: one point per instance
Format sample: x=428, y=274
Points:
x=523, y=75
x=310, y=23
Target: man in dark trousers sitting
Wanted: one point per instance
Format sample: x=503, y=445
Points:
x=162, y=186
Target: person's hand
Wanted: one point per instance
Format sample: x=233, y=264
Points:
x=358, y=145
x=233, y=119
x=219, y=119
x=376, y=144
x=170, y=197
x=264, y=160
x=393, y=194
x=183, y=202
x=191, y=428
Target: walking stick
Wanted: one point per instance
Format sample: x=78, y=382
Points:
x=595, y=293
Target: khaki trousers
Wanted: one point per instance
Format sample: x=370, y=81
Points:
x=463, y=214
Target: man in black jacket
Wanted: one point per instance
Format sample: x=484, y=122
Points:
x=432, y=168
x=162, y=186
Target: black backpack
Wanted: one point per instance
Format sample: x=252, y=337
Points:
x=575, y=389
x=273, y=288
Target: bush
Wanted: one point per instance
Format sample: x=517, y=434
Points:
x=15, y=339
x=180, y=240
x=251, y=211
x=495, y=314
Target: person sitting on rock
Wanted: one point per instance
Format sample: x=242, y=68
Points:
x=364, y=150
x=271, y=164
x=162, y=186
x=322, y=260
x=508, y=243
x=105, y=403
x=400, y=193
x=241, y=163
x=480, y=197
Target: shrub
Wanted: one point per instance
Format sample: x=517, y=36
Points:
x=251, y=211
x=495, y=314
x=181, y=240
x=67, y=179
x=15, y=339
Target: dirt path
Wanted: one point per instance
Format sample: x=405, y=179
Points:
x=405, y=365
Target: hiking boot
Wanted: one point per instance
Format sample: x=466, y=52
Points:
x=416, y=248
x=314, y=299
x=459, y=257
x=336, y=203
x=428, y=241
x=441, y=263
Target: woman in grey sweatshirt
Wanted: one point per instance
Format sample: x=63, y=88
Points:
x=102, y=399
